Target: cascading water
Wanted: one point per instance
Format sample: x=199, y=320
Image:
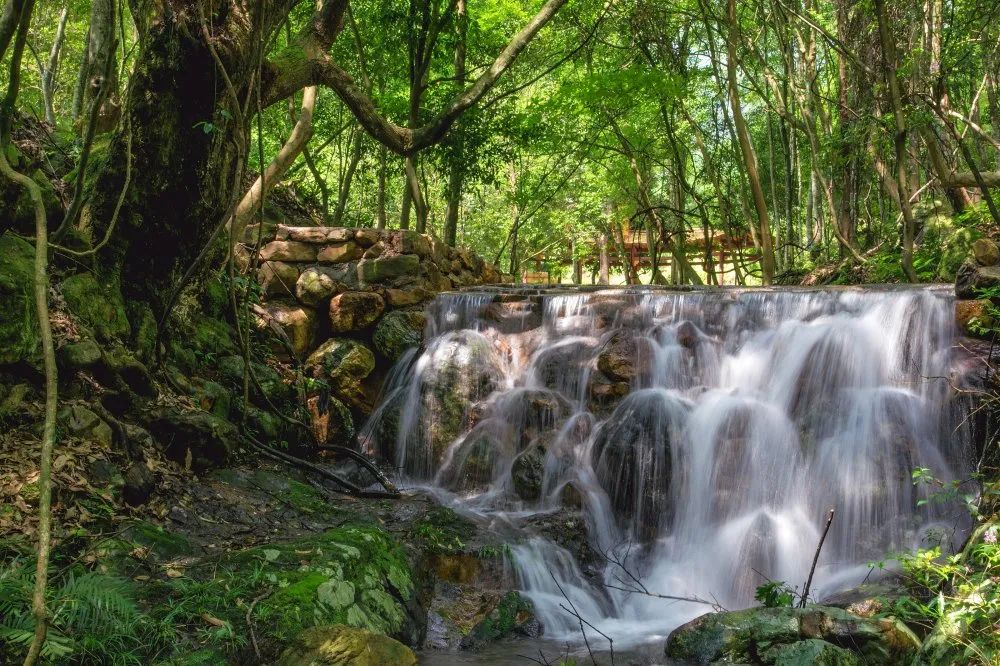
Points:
x=705, y=434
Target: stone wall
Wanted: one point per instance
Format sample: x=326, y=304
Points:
x=349, y=302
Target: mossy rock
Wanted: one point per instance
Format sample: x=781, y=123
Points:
x=79, y=355
x=19, y=335
x=811, y=652
x=163, y=544
x=511, y=613
x=345, y=363
x=98, y=304
x=215, y=298
x=398, y=331
x=211, y=337
x=144, y=329
x=214, y=398
x=340, y=645
x=356, y=575
x=739, y=637
x=276, y=390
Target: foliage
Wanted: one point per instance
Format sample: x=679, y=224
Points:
x=94, y=617
x=775, y=594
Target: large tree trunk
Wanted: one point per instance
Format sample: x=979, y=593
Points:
x=182, y=175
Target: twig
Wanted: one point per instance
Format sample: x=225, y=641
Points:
x=812, y=569
x=253, y=636
x=575, y=613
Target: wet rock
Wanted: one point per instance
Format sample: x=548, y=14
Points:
x=398, y=331
x=139, y=484
x=605, y=393
x=512, y=612
x=99, y=305
x=331, y=420
x=626, y=357
x=986, y=252
x=193, y=438
x=19, y=337
x=971, y=278
x=278, y=278
x=633, y=458
x=355, y=310
x=387, y=268
x=515, y=317
x=744, y=636
x=339, y=253
x=79, y=355
x=345, y=364
x=463, y=370
x=85, y=424
x=298, y=323
x=340, y=645
x=527, y=474
x=294, y=251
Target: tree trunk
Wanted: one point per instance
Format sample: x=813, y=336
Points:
x=747, y=149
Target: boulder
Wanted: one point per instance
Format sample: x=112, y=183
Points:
x=791, y=635
x=331, y=420
x=278, y=278
x=340, y=645
x=605, y=393
x=317, y=284
x=118, y=361
x=98, y=304
x=986, y=252
x=19, y=335
x=398, y=331
x=318, y=235
x=633, y=458
x=139, y=484
x=282, y=250
x=276, y=391
x=626, y=357
x=79, y=355
x=339, y=253
x=972, y=277
x=355, y=310
x=388, y=268
x=213, y=398
x=345, y=364
x=970, y=314
x=85, y=424
x=297, y=322
x=193, y=438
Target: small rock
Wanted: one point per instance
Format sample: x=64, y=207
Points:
x=139, y=484
x=103, y=472
x=178, y=515
x=986, y=252
x=366, y=237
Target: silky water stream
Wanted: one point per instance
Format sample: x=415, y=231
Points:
x=704, y=435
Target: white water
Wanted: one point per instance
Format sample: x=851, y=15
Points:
x=754, y=413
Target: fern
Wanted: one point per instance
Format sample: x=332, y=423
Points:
x=93, y=617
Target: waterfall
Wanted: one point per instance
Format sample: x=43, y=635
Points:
x=704, y=435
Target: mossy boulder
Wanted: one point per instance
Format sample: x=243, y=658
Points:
x=79, y=355
x=193, y=438
x=345, y=364
x=85, y=424
x=810, y=652
x=19, y=335
x=98, y=304
x=398, y=331
x=211, y=338
x=757, y=635
x=340, y=645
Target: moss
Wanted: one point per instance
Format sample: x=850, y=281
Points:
x=339, y=645
x=441, y=531
x=165, y=545
x=144, y=329
x=211, y=338
x=98, y=305
x=19, y=336
x=511, y=611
